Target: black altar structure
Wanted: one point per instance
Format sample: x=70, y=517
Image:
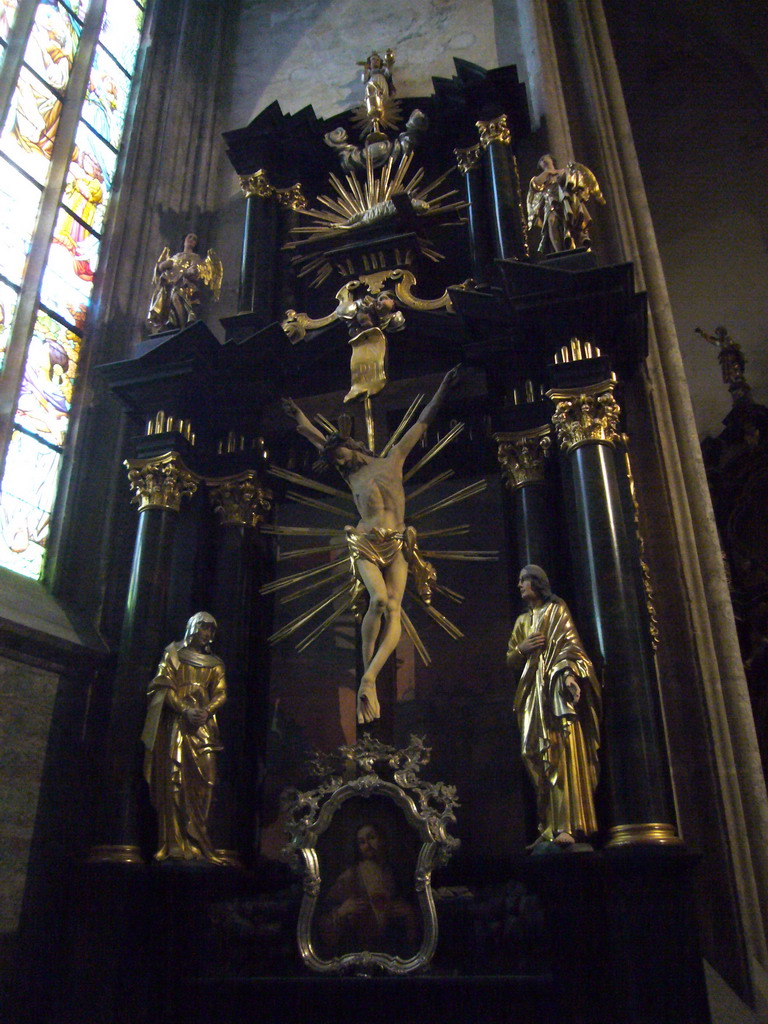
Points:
x=547, y=346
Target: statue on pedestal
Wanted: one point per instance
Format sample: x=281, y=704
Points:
x=558, y=704
x=557, y=199
x=177, y=283
x=382, y=548
x=379, y=88
x=181, y=737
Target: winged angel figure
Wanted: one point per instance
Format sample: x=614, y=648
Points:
x=177, y=282
x=557, y=199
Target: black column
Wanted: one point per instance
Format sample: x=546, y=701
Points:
x=241, y=503
x=606, y=571
x=523, y=456
x=158, y=483
x=480, y=244
x=504, y=198
x=258, y=270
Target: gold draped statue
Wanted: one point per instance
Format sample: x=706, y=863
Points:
x=558, y=706
x=181, y=737
x=557, y=204
x=177, y=284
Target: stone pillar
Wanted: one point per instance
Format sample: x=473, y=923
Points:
x=241, y=504
x=480, y=245
x=290, y=201
x=523, y=456
x=159, y=484
x=505, y=201
x=258, y=269
x=605, y=577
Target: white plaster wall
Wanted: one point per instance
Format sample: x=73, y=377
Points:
x=306, y=52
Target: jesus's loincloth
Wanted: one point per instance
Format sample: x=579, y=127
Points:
x=380, y=547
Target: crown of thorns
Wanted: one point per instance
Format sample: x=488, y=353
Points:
x=331, y=443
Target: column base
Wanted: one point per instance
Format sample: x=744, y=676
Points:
x=231, y=858
x=649, y=833
x=125, y=854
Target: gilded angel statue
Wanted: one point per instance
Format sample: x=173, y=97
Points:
x=557, y=199
x=177, y=283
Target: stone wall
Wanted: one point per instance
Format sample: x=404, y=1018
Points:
x=26, y=696
x=696, y=87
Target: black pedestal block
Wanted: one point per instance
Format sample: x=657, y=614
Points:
x=410, y=1000
x=595, y=938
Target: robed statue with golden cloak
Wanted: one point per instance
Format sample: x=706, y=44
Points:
x=558, y=706
x=181, y=737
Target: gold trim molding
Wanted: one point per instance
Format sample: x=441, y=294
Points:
x=587, y=415
x=406, y=279
x=258, y=184
x=653, y=622
x=160, y=423
x=115, y=855
x=494, y=131
x=649, y=833
x=467, y=159
x=523, y=455
x=295, y=324
x=160, y=482
x=291, y=198
x=240, y=500
x=231, y=858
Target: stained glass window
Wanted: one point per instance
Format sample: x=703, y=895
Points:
x=45, y=398
x=7, y=17
x=19, y=203
x=9, y=296
x=29, y=492
x=72, y=261
x=33, y=120
x=27, y=144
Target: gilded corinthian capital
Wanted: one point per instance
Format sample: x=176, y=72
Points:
x=467, y=159
x=240, y=500
x=585, y=415
x=523, y=456
x=291, y=198
x=160, y=482
x=256, y=185
x=494, y=131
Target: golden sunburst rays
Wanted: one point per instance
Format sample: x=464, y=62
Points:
x=355, y=204
x=332, y=583
x=387, y=116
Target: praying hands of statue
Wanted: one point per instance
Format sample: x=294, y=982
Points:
x=195, y=717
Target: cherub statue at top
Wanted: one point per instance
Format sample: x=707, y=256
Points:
x=177, y=282
x=557, y=199
x=377, y=77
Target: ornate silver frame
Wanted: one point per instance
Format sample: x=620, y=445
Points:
x=428, y=810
